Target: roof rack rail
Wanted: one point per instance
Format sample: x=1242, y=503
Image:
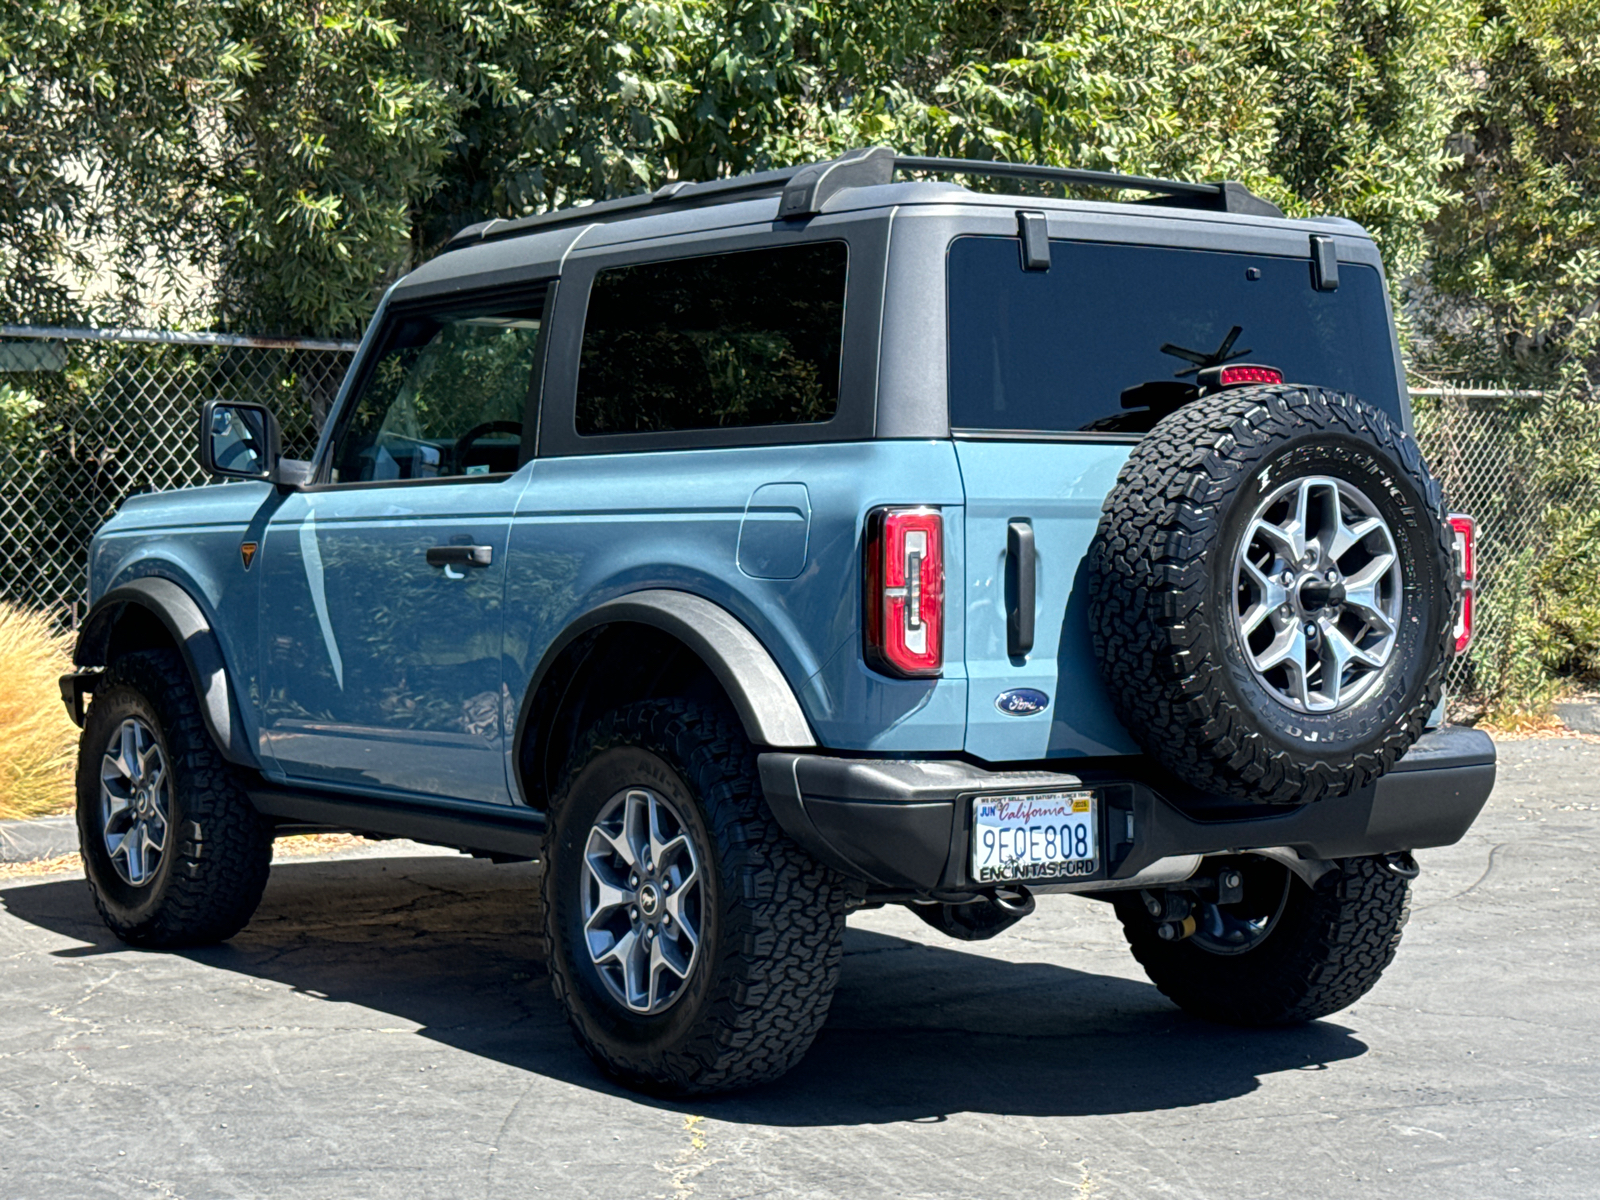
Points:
x=804, y=189
x=1224, y=196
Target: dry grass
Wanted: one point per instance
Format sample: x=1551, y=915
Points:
x=59, y=865
x=1515, y=724
x=38, y=742
x=299, y=844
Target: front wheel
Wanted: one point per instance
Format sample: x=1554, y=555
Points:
x=693, y=945
x=174, y=852
x=1284, y=953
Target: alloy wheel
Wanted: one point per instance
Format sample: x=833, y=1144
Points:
x=1317, y=594
x=643, y=900
x=135, y=801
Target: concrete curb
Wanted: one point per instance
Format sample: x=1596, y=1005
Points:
x=1581, y=715
x=44, y=837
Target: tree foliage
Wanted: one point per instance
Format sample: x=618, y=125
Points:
x=298, y=156
x=272, y=165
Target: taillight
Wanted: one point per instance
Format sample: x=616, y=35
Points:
x=905, y=590
x=1466, y=533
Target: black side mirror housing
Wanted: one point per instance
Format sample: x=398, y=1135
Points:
x=239, y=441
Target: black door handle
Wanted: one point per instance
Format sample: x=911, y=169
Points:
x=460, y=556
x=1019, y=588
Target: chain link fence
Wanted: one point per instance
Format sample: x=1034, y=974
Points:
x=89, y=417
x=1504, y=457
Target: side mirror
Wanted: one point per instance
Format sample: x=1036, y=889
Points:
x=238, y=441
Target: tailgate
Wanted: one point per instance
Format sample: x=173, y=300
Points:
x=1057, y=488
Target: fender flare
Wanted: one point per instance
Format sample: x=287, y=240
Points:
x=186, y=622
x=765, y=703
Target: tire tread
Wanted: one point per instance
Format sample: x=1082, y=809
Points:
x=1153, y=633
x=777, y=970
x=223, y=851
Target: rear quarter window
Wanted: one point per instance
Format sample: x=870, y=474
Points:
x=749, y=338
x=1079, y=348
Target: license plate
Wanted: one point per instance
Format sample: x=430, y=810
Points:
x=1050, y=835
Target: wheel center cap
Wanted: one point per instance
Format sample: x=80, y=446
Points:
x=1316, y=594
x=649, y=899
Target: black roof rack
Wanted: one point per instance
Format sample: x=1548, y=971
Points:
x=805, y=189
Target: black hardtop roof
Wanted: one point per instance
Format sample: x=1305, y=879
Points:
x=804, y=189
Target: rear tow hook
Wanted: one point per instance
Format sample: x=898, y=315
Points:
x=1400, y=864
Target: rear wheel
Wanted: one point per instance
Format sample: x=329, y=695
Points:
x=1286, y=952
x=174, y=851
x=694, y=947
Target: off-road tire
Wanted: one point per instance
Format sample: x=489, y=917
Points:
x=214, y=870
x=1324, y=953
x=1161, y=595
x=770, y=951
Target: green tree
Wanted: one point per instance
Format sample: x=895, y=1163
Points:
x=1512, y=294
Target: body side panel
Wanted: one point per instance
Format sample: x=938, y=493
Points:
x=379, y=670
x=192, y=537
x=591, y=528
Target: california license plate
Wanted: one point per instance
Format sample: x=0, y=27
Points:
x=1049, y=835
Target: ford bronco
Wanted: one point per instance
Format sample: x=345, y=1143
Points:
x=755, y=551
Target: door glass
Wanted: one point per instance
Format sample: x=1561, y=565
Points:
x=445, y=398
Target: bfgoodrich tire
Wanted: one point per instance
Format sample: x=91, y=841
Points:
x=1273, y=594
x=174, y=852
x=693, y=946
x=1323, y=946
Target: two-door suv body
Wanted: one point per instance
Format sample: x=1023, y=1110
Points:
x=754, y=551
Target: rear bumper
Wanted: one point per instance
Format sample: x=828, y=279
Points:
x=904, y=826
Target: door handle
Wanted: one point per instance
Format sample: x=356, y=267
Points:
x=460, y=556
x=1019, y=588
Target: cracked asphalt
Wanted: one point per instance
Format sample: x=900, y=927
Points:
x=384, y=1028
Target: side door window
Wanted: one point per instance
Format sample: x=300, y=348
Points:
x=384, y=584
x=446, y=397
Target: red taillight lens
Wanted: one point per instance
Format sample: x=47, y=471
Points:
x=905, y=590
x=1248, y=373
x=1466, y=534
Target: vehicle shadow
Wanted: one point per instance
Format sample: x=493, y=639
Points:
x=917, y=1031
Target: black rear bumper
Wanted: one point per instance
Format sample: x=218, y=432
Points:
x=904, y=826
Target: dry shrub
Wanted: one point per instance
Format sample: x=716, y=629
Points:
x=37, y=739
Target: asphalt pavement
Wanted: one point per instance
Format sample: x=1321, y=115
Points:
x=384, y=1028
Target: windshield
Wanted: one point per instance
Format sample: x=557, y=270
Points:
x=1111, y=337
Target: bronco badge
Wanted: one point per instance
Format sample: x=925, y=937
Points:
x=1021, y=702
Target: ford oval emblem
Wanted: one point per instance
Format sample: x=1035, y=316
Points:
x=1021, y=702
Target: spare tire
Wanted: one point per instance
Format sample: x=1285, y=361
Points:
x=1273, y=594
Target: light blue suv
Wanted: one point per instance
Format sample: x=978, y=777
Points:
x=755, y=551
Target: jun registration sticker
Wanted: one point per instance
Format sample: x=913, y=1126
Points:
x=1051, y=835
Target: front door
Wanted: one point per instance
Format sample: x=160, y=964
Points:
x=383, y=587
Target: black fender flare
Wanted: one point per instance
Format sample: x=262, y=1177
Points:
x=186, y=622
x=766, y=705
